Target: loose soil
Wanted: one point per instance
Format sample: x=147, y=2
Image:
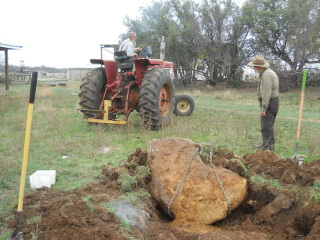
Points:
x=286, y=212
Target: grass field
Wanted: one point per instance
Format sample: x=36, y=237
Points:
x=227, y=118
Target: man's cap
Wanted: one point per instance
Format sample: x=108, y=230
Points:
x=259, y=61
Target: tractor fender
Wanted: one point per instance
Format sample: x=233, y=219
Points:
x=154, y=62
x=110, y=67
x=145, y=64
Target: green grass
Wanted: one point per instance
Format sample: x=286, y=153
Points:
x=88, y=200
x=226, y=119
x=5, y=234
x=143, y=171
x=315, y=191
x=125, y=226
x=272, y=182
x=245, y=169
x=33, y=219
x=108, y=207
x=127, y=182
x=135, y=198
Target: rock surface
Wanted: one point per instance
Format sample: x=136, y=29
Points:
x=200, y=199
x=131, y=214
x=280, y=203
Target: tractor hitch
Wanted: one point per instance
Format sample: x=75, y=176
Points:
x=105, y=115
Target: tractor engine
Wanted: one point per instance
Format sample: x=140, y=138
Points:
x=124, y=94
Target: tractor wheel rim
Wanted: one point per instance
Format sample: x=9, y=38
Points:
x=183, y=106
x=165, y=100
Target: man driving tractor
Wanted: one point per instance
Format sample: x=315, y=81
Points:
x=129, y=44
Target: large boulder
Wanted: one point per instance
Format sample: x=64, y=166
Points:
x=200, y=199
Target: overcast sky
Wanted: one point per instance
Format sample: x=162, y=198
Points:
x=63, y=33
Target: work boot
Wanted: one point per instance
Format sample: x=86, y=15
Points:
x=271, y=148
x=264, y=147
x=260, y=147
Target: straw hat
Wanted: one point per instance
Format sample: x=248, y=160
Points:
x=259, y=61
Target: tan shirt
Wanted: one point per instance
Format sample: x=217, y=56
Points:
x=268, y=87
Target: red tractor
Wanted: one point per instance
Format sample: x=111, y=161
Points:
x=127, y=84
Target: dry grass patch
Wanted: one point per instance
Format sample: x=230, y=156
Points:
x=72, y=86
x=314, y=148
x=4, y=104
x=198, y=93
x=43, y=91
x=46, y=107
x=226, y=95
x=209, y=87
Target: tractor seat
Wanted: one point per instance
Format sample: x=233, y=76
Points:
x=122, y=60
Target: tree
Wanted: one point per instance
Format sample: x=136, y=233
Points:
x=153, y=23
x=204, y=38
x=184, y=37
x=224, y=37
x=287, y=29
x=176, y=21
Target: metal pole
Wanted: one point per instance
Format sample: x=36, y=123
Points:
x=101, y=53
x=6, y=64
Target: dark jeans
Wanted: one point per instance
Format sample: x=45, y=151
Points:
x=267, y=123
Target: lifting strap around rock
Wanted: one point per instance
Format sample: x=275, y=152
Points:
x=181, y=181
x=185, y=174
x=219, y=181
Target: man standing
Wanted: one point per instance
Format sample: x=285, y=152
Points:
x=129, y=44
x=268, y=95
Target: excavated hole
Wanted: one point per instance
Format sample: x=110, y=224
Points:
x=255, y=201
x=162, y=216
x=260, y=202
x=297, y=220
x=303, y=226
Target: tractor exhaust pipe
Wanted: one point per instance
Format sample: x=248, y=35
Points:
x=163, y=47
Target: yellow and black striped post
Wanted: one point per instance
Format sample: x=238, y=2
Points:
x=17, y=234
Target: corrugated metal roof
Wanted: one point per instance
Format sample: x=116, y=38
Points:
x=10, y=47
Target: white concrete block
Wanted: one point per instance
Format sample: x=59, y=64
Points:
x=43, y=178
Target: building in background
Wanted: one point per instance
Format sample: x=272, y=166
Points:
x=6, y=48
x=76, y=74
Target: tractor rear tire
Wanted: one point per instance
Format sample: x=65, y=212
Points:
x=156, y=99
x=92, y=90
x=183, y=105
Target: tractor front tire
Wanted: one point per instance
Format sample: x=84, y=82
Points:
x=156, y=99
x=183, y=105
x=92, y=90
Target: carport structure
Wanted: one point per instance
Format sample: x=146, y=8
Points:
x=6, y=48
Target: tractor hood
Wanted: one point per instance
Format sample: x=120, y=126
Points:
x=160, y=62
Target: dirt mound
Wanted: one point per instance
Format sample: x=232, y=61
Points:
x=267, y=163
x=50, y=214
x=267, y=213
